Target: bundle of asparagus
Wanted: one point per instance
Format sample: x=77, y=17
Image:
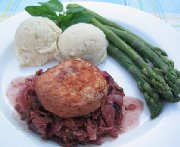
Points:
x=158, y=82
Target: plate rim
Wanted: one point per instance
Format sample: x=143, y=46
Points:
x=91, y=3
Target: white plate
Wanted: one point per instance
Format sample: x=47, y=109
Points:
x=163, y=131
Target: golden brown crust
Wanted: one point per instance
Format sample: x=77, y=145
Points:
x=73, y=88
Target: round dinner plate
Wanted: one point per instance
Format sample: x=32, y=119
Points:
x=162, y=131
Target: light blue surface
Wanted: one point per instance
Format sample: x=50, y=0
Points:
x=167, y=10
x=167, y=6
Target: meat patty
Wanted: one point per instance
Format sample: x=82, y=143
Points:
x=73, y=88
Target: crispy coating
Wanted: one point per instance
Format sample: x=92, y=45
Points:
x=73, y=88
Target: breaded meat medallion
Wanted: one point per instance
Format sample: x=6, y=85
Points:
x=71, y=89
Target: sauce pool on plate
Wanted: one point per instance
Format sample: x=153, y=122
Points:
x=131, y=111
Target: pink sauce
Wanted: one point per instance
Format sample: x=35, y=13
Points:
x=131, y=111
x=15, y=88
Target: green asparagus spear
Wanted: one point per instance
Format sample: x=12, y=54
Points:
x=170, y=74
x=156, y=80
x=163, y=56
x=156, y=55
x=150, y=95
x=140, y=47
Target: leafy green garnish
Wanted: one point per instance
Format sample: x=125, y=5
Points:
x=65, y=21
x=73, y=18
x=74, y=10
x=41, y=11
x=53, y=5
x=53, y=9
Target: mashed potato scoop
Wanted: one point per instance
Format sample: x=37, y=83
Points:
x=36, y=41
x=83, y=41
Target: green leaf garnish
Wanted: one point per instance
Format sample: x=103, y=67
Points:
x=65, y=21
x=82, y=17
x=53, y=9
x=41, y=11
x=74, y=18
x=53, y=5
x=74, y=10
